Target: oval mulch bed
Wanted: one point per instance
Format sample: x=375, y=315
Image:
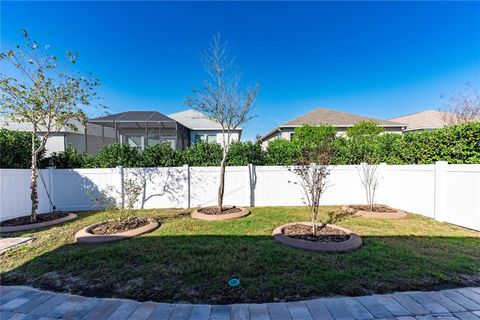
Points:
x=333, y=239
x=211, y=213
x=43, y=220
x=87, y=235
x=382, y=212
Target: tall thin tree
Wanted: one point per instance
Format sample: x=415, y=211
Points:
x=43, y=94
x=222, y=99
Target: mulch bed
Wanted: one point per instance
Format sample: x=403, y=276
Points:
x=216, y=210
x=116, y=226
x=324, y=233
x=45, y=217
x=376, y=208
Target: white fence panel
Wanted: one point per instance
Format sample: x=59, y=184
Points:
x=76, y=189
x=275, y=186
x=410, y=188
x=15, y=193
x=204, y=186
x=162, y=187
x=445, y=192
x=463, y=195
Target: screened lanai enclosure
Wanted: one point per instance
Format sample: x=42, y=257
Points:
x=138, y=129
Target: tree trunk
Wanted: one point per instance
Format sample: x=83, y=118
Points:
x=314, y=222
x=33, y=181
x=221, y=186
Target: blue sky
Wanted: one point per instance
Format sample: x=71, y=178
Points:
x=380, y=59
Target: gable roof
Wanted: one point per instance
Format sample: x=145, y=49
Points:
x=334, y=118
x=428, y=119
x=196, y=120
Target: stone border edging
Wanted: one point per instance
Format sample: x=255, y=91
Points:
x=34, y=226
x=84, y=235
x=219, y=217
x=395, y=215
x=351, y=244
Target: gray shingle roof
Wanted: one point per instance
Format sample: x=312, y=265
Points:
x=131, y=116
x=196, y=120
x=335, y=118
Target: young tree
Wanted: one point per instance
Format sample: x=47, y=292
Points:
x=222, y=99
x=313, y=168
x=462, y=107
x=43, y=95
x=370, y=180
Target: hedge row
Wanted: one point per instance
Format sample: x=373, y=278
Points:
x=457, y=144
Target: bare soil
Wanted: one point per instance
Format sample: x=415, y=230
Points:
x=117, y=226
x=324, y=233
x=216, y=210
x=21, y=221
x=376, y=208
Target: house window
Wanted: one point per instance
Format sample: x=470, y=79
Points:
x=204, y=137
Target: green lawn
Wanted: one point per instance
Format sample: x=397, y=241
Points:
x=191, y=260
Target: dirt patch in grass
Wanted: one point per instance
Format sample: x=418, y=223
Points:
x=324, y=233
x=44, y=217
x=117, y=226
x=376, y=208
x=217, y=211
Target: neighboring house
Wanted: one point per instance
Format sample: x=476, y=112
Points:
x=66, y=136
x=139, y=129
x=424, y=120
x=202, y=128
x=340, y=120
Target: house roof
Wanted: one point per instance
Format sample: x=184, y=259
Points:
x=428, y=119
x=135, y=120
x=134, y=116
x=334, y=118
x=196, y=120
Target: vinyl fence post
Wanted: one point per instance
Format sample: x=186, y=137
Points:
x=187, y=175
x=440, y=190
x=50, y=188
x=252, y=180
x=382, y=194
x=122, y=188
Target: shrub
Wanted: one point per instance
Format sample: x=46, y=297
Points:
x=16, y=149
x=364, y=128
x=308, y=134
x=69, y=158
x=281, y=152
x=203, y=154
x=161, y=155
x=243, y=153
x=117, y=155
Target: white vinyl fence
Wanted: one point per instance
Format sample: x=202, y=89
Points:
x=449, y=193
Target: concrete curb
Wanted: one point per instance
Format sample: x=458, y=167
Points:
x=34, y=226
x=351, y=244
x=395, y=215
x=220, y=217
x=85, y=236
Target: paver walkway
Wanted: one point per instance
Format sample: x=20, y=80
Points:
x=28, y=303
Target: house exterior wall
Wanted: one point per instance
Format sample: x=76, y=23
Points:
x=218, y=135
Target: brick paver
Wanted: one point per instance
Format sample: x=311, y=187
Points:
x=28, y=303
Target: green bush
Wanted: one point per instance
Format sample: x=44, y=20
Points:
x=203, y=154
x=308, y=134
x=281, y=152
x=364, y=128
x=16, y=149
x=243, y=153
x=161, y=155
x=69, y=158
x=117, y=155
